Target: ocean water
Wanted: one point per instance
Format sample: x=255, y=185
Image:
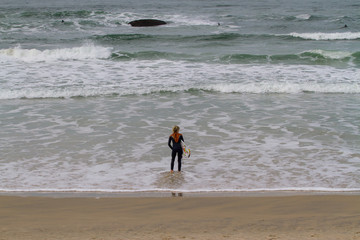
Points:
x=266, y=93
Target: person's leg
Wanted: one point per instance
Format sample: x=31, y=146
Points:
x=173, y=155
x=179, y=160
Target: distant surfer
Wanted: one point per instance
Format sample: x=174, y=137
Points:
x=345, y=26
x=175, y=144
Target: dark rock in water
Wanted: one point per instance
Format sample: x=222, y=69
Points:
x=146, y=23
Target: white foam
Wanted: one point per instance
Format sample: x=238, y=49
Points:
x=87, y=51
x=327, y=36
x=304, y=16
x=276, y=87
x=56, y=93
x=257, y=88
x=162, y=190
x=183, y=20
x=332, y=54
x=239, y=143
x=96, y=77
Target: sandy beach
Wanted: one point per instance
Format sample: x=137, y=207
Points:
x=270, y=217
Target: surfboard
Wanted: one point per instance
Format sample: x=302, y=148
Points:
x=186, y=150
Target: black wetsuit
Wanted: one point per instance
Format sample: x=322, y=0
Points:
x=176, y=148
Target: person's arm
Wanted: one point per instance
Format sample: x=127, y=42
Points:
x=169, y=143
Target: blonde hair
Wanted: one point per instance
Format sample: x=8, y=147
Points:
x=176, y=129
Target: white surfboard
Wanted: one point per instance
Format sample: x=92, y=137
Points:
x=186, y=150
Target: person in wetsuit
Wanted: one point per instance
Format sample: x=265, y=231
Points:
x=175, y=144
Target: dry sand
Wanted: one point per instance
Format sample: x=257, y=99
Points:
x=282, y=217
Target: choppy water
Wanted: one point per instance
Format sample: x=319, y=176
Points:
x=267, y=95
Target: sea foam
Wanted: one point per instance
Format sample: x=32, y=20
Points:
x=95, y=77
x=327, y=36
x=87, y=51
x=304, y=16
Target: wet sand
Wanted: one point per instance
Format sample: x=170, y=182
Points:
x=247, y=217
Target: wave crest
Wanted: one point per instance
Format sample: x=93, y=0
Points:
x=226, y=88
x=87, y=51
x=288, y=88
x=327, y=36
x=304, y=16
x=310, y=57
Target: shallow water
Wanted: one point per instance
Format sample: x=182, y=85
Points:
x=267, y=100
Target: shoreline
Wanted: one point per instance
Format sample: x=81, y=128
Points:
x=172, y=193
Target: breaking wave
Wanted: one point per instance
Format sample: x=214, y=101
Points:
x=92, y=51
x=98, y=71
x=87, y=51
x=327, y=36
x=240, y=88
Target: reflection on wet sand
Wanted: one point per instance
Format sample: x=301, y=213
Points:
x=179, y=194
x=173, y=181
